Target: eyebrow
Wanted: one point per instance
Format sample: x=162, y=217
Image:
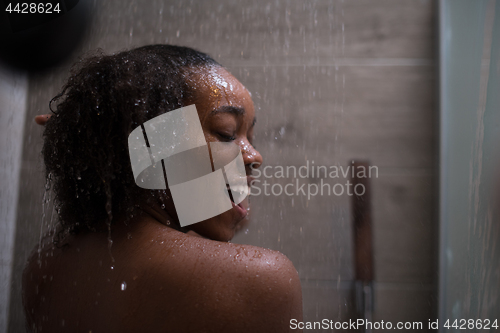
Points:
x=237, y=111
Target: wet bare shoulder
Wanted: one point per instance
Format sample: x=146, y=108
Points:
x=222, y=286
x=172, y=281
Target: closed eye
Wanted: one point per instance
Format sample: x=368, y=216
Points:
x=227, y=138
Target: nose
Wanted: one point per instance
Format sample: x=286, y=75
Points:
x=251, y=156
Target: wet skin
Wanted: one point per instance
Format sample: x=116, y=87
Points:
x=157, y=279
x=227, y=114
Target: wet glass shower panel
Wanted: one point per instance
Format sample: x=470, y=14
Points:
x=470, y=128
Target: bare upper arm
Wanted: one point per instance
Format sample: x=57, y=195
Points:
x=221, y=287
x=274, y=295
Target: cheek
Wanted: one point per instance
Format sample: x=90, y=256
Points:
x=209, y=137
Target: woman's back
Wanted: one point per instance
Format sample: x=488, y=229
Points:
x=157, y=279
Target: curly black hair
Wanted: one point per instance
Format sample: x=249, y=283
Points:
x=85, y=141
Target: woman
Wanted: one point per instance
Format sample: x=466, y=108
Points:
x=121, y=262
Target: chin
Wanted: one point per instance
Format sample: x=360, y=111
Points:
x=223, y=226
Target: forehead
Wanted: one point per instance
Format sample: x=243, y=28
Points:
x=215, y=85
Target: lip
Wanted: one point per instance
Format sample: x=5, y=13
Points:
x=250, y=179
x=238, y=208
x=240, y=211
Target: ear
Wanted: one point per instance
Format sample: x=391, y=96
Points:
x=42, y=119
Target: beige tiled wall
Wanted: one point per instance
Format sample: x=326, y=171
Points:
x=374, y=99
x=332, y=81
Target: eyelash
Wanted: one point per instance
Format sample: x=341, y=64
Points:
x=227, y=138
x=232, y=138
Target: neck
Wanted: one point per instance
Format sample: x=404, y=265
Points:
x=163, y=215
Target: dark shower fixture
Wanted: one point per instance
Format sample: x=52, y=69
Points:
x=363, y=245
x=38, y=35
